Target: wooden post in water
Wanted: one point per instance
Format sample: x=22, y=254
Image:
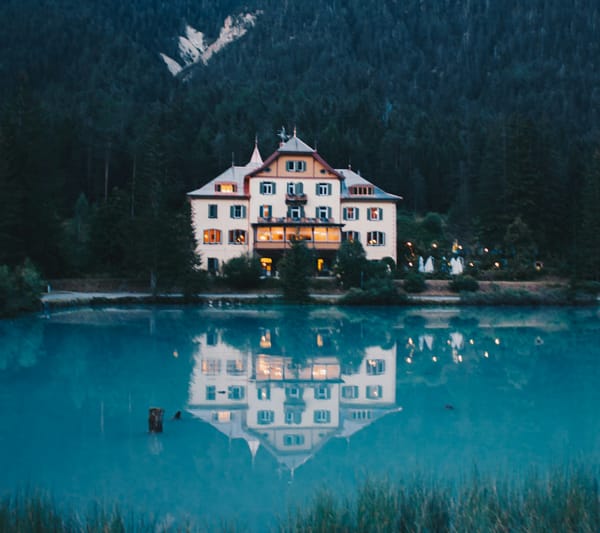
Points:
x=155, y=420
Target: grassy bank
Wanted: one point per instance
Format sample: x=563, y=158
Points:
x=562, y=502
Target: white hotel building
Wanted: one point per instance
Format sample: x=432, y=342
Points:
x=294, y=194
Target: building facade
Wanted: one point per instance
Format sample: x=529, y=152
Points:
x=294, y=194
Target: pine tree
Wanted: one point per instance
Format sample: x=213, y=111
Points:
x=295, y=270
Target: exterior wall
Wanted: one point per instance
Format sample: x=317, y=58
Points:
x=363, y=225
x=201, y=222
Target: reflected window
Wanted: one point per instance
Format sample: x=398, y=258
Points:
x=375, y=367
x=211, y=392
x=236, y=367
x=293, y=416
x=211, y=338
x=264, y=393
x=293, y=393
x=322, y=392
x=322, y=416
x=236, y=392
x=210, y=367
x=362, y=414
x=265, y=417
x=293, y=440
x=350, y=392
x=374, y=392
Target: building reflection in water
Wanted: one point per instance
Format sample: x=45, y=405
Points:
x=289, y=407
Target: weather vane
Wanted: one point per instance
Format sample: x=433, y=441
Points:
x=282, y=134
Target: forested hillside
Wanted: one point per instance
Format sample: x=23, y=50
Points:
x=480, y=110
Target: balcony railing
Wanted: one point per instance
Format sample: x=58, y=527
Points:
x=295, y=199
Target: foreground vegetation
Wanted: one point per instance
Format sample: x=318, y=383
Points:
x=563, y=501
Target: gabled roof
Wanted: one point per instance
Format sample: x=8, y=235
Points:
x=234, y=174
x=352, y=178
x=294, y=145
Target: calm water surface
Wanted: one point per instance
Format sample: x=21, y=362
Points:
x=277, y=403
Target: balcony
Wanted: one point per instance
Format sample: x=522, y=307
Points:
x=295, y=199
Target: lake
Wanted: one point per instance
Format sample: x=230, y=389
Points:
x=278, y=403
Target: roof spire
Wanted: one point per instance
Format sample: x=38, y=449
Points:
x=294, y=130
x=256, y=158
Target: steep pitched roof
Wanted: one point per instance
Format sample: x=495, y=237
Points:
x=234, y=174
x=294, y=145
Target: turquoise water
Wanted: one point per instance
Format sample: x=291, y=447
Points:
x=277, y=403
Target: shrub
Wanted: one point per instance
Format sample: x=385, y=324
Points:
x=414, y=282
x=242, y=272
x=376, y=292
x=464, y=283
x=20, y=289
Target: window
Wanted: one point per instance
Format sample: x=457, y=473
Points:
x=237, y=236
x=361, y=415
x=210, y=367
x=322, y=392
x=265, y=417
x=237, y=211
x=213, y=265
x=350, y=392
x=324, y=213
x=267, y=187
x=225, y=187
x=236, y=392
x=295, y=212
x=322, y=416
x=211, y=392
x=236, y=367
x=350, y=213
x=295, y=166
x=293, y=416
x=374, y=392
x=293, y=440
x=265, y=211
x=375, y=238
x=362, y=190
x=264, y=393
x=323, y=189
x=212, y=236
x=293, y=393
x=294, y=189
x=375, y=367
x=352, y=236
x=375, y=213
x=213, y=211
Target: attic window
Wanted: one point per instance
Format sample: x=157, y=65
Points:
x=361, y=189
x=295, y=166
x=225, y=187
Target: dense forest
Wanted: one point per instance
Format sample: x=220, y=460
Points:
x=485, y=112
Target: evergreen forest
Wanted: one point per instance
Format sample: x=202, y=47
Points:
x=484, y=112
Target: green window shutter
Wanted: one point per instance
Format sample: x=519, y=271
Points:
x=232, y=211
x=299, y=188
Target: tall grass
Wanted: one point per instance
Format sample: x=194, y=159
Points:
x=565, y=501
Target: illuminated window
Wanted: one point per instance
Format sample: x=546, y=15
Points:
x=265, y=211
x=350, y=213
x=349, y=392
x=293, y=440
x=236, y=367
x=267, y=187
x=322, y=416
x=213, y=211
x=237, y=211
x=212, y=236
x=323, y=189
x=265, y=417
x=375, y=367
x=322, y=392
x=375, y=213
x=236, y=392
x=210, y=367
x=225, y=187
x=237, y=236
x=264, y=393
x=375, y=238
x=211, y=392
x=295, y=166
x=352, y=236
x=374, y=392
